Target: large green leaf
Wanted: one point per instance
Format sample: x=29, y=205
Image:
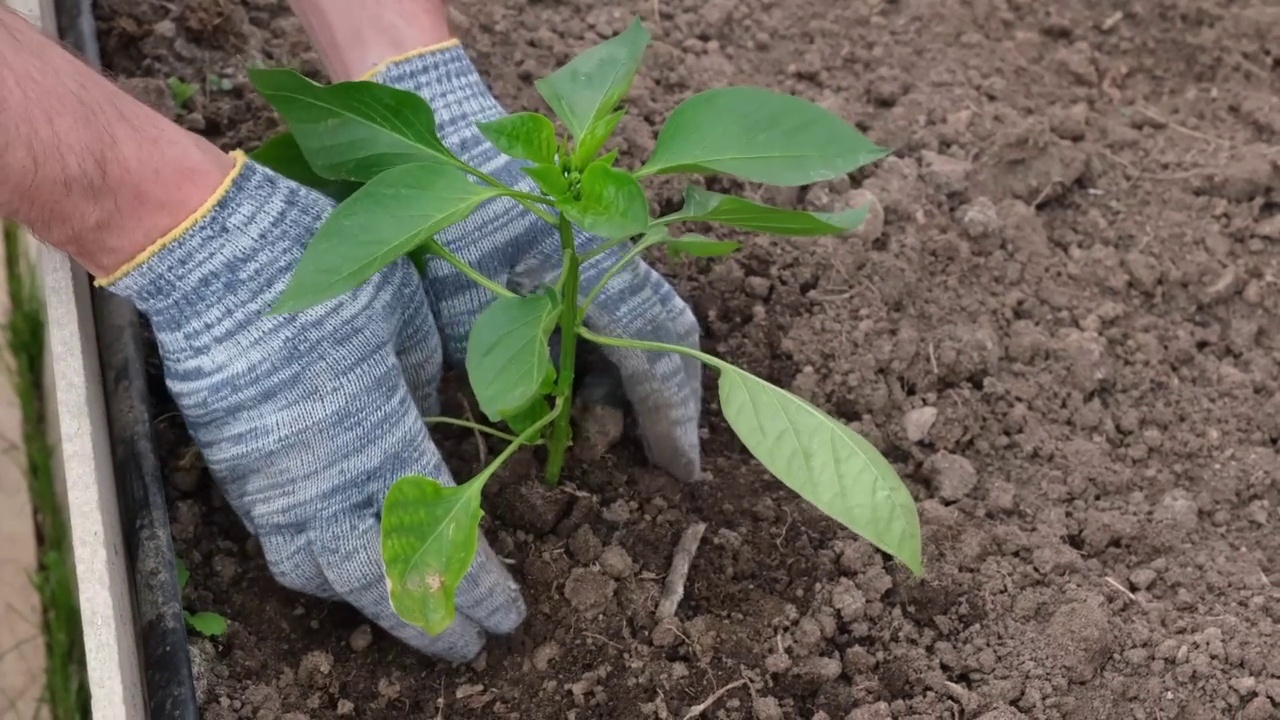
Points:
x=758, y=135
x=430, y=533
x=526, y=135
x=380, y=222
x=612, y=205
x=353, y=130
x=707, y=206
x=282, y=154
x=824, y=462
x=588, y=88
x=508, y=361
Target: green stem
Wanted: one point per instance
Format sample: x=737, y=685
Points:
x=603, y=248
x=653, y=346
x=434, y=248
x=531, y=202
x=631, y=255
x=442, y=420
x=526, y=438
x=558, y=443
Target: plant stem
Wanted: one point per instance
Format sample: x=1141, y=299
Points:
x=531, y=202
x=632, y=254
x=558, y=443
x=442, y=420
x=526, y=438
x=711, y=360
x=433, y=247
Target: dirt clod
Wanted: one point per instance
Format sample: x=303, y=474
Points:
x=616, y=563
x=952, y=477
x=589, y=591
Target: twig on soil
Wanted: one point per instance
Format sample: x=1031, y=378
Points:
x=1112, y=21
x=484, y=450
x=673, y=591
x=1180, y=128
x=1122, y=589
x=786, y=527
x=603, y=639
x=700, y=708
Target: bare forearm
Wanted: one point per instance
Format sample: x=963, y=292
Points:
x=353, y=37
x=89, y=169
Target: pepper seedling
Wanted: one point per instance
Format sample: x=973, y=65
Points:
x=209, y=624
x=376, y=150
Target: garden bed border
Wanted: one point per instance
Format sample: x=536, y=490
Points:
x=102, y=432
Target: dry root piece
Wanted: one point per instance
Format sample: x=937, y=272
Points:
x=673, y=591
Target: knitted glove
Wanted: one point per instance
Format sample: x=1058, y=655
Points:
x=307, y=419
x=510, y=245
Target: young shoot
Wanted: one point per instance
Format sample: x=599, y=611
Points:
x=375, y=149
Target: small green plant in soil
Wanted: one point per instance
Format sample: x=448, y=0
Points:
x=209, y=624
x=376, y=150
x=181, y=92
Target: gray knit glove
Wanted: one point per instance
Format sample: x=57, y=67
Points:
x=307, y=419
x=510, y=245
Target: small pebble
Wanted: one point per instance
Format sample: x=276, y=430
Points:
x=361, y=638
x=918, y=422
x=1142, y=578
x=346, y=707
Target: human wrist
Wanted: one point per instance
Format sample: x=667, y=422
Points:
x=353, y=38
x=92, y=171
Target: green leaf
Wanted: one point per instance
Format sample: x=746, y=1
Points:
x=758, y=135
x=549, y=178
x=612, y=206
x=525, y=135
x=824, y=462
x=183, y=575
x=698, y=246
x=380, y=222
x=508, y=361
x=181, y=91
x=429, y=537
x=595, y=137
x=353, y=130
x=282, y=154
x=706, y=206
x=529, y=416
x=206, y=623
x=591, y=85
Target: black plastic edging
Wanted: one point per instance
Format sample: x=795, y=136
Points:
x=140, y=476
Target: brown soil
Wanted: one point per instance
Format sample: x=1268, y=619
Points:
x=1077, y=273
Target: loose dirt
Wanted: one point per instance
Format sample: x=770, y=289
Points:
x=1064, y=331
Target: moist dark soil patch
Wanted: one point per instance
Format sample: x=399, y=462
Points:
x=1076, y=280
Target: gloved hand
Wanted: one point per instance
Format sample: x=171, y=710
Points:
x=306, y=420
x=510, y=245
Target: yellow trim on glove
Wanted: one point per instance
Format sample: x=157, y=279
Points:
x=451, y=42
x=240, y=159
